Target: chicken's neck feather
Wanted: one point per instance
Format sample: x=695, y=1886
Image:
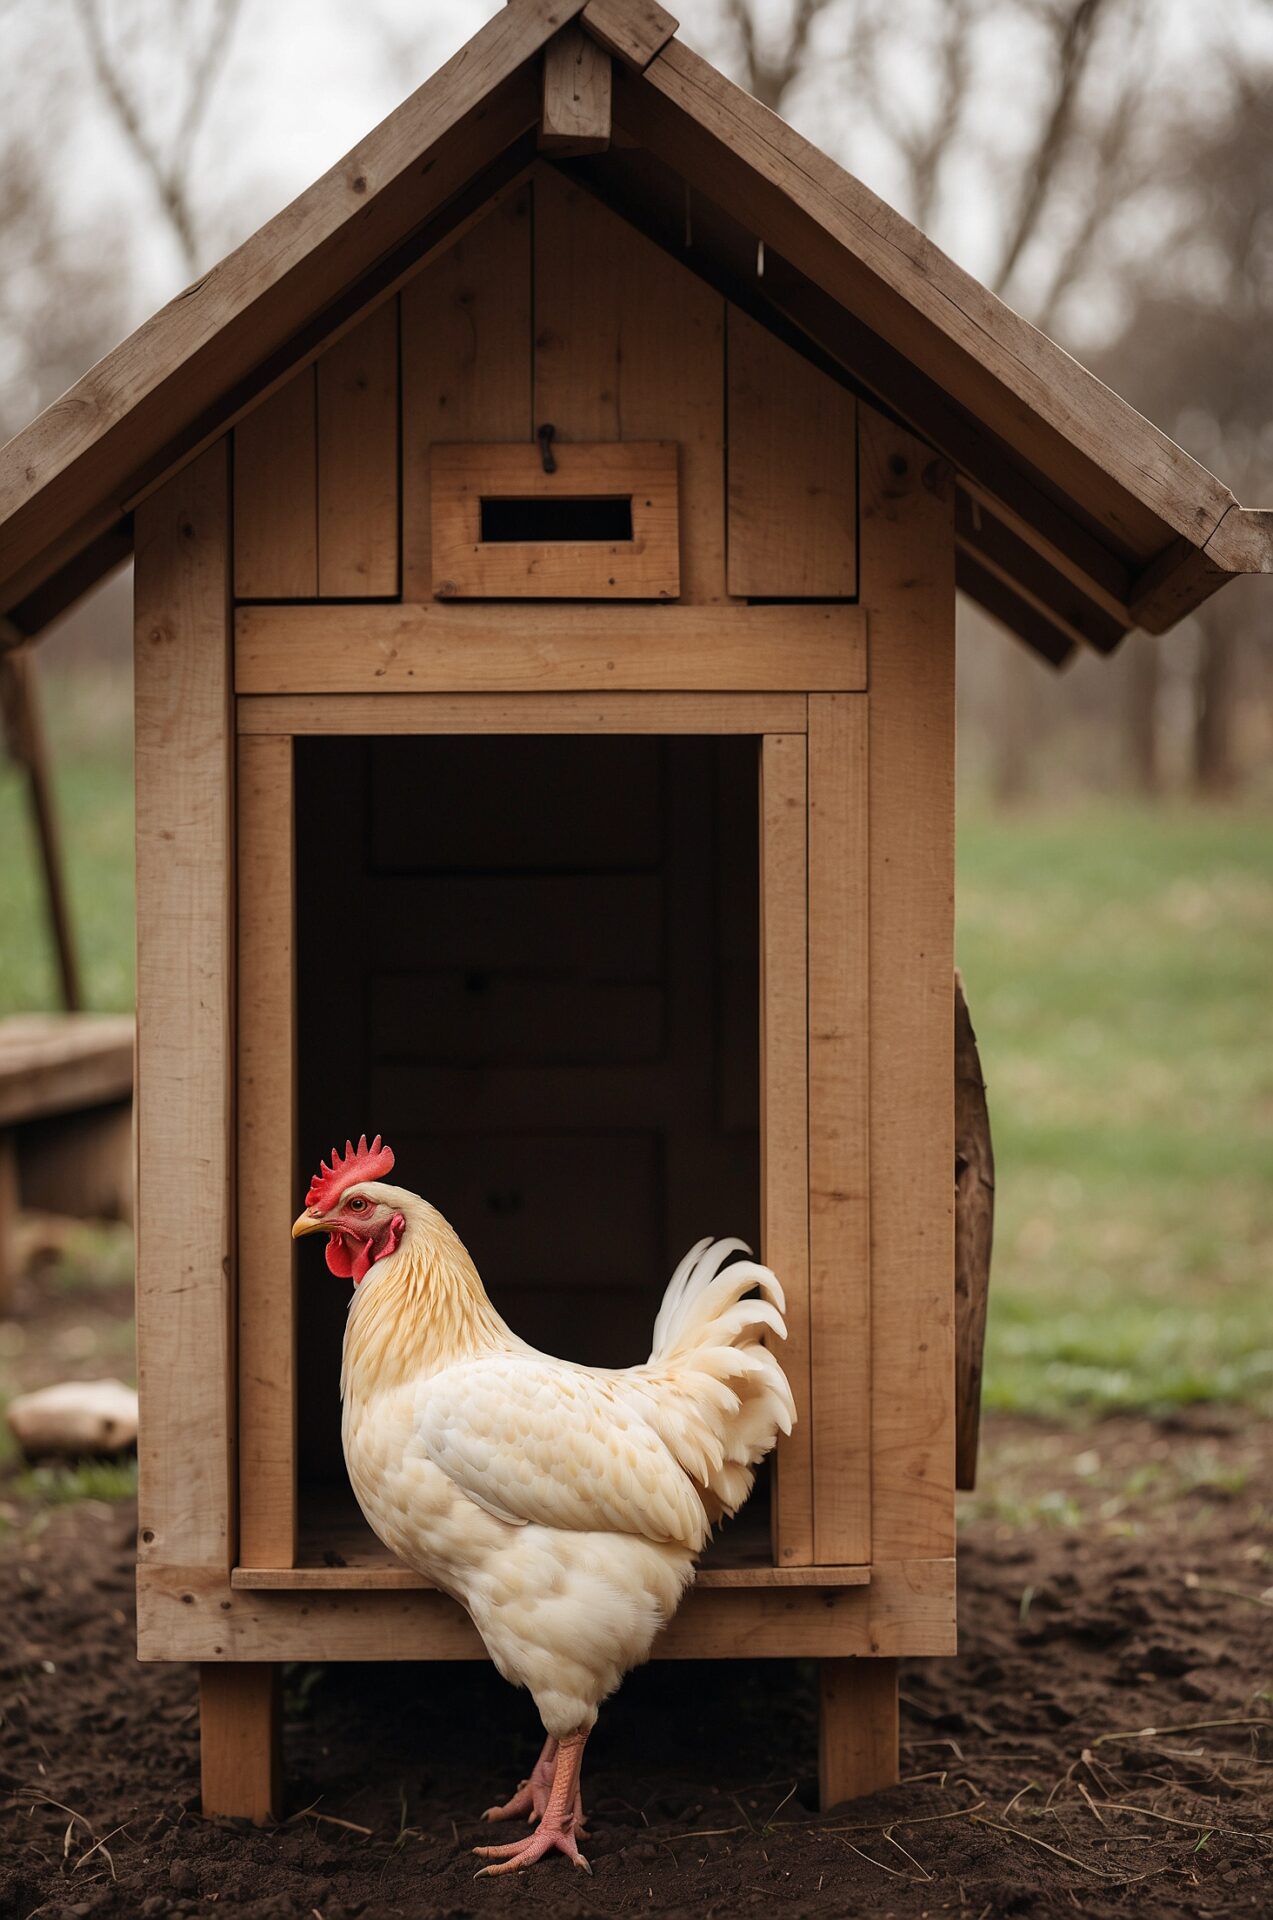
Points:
x=422, y=1309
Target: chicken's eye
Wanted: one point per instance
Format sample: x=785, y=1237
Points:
x=357, y=1204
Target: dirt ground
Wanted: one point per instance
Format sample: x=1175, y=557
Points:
x=1101, y=1744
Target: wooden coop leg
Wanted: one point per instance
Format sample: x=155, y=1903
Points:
x=857, y=1729
x=240, y=1729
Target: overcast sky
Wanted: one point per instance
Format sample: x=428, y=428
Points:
x=305, y=79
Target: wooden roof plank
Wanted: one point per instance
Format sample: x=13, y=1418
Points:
x=85, y=446
x=1001, y=552
x=1001, y=601
x=634, y=31
x=1026, y=389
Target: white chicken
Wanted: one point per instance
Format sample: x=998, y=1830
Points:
x=561, y=1505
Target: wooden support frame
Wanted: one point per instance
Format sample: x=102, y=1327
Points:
x=575, y=111
x=840, y=1275
x=267, y=1153
x=553, y=649
x=644, y=567
x=784, y=1098
x=185, y=1035
x=857, y=1729
x=240, y=1740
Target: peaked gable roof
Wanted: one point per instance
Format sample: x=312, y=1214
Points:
x=1076, y=518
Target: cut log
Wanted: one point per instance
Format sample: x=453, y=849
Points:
x=974, y=1234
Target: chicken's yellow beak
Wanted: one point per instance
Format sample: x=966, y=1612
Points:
x=309, y=1223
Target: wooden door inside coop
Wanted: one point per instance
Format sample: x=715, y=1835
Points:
x=533, y=964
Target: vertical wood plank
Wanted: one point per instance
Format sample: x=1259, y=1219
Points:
x=276, y=496
x=240, y=1740
x=840, y=1280
x=784, y=1107
x=267, y=1154
x=185, y=1031
x=792, y=471
x=358, y=461
x=908, y=586
x=466, y=362
x=857, y=1729
x=629, y=345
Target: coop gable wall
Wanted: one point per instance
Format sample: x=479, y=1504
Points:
x=549, y=308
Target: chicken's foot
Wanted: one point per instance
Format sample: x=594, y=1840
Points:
x=531, y=1797
x=559, y=1823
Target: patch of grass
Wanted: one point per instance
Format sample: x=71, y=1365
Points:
x=88, y=722
x=1117, y=965
x=58, y=1485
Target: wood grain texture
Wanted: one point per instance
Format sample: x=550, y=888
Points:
x=101, y=438
x=857, y=1729
x=634, y=31
x=358, y=461
x=646, y=567
x=266, y=1126
x=185, y=1035
x=240, y=1741
x=574, y=114
x=784, y=1102
x=276, y=496
x=840, y=1275
x=629, y=345
x=907, y=586
x=368, y=713
x=557, y=648
x=466, y=366
x=1051, y=411
x=792, y=471
x=188, y=1614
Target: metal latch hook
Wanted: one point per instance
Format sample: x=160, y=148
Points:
x=544, y=435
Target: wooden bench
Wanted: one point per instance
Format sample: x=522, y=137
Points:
x=66, y=1091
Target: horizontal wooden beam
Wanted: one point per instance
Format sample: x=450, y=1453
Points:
x=424, y=713
x=549, y=648
x=390, y=1575
x=574, y=115
x=192, y=1614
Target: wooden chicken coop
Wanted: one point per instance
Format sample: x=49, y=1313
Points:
x=547, y=533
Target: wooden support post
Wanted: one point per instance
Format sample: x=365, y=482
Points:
x=857, y=1729
x=240, y=1731
x=575, y=115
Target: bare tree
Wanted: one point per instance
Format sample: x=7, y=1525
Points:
x=165, y=157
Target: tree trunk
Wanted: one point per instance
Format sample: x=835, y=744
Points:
x=1215, y=690
x=1143, y=677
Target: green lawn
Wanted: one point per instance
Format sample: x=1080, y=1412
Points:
x=1119, y=965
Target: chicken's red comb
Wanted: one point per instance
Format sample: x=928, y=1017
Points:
x=361, y=1162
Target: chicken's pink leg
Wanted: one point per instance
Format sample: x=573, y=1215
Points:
x=558, y=1824
x=531, y=1797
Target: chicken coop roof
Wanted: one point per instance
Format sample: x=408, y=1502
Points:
x=1077, y=519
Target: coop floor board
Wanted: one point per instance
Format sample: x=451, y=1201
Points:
x=337, y=1550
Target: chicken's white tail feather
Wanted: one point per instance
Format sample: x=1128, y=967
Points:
x=726, y=1397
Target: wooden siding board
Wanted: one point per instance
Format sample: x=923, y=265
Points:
x=276, y=496
x=358, y=461
x=266, y=1095
x=629, y=345
x=839, y=1155
x=792, y=467
x=785, y=1115
x=466, y=362
x=185, y=1038
x=908, y=587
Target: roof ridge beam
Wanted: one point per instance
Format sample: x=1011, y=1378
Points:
x=634, y=31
